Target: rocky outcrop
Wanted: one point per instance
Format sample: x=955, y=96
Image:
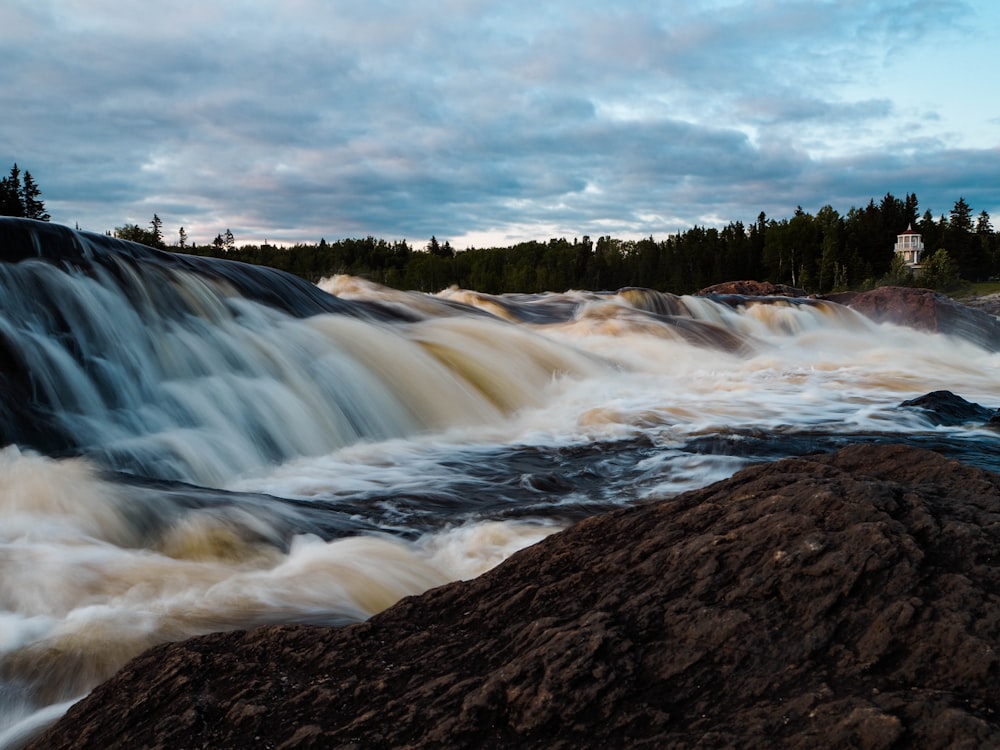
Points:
x=841, y=600
x=924, y=309
x=989, y=303
x=753, y=289
x=947, y=408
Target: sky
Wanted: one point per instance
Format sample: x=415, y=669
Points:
x=489, y=123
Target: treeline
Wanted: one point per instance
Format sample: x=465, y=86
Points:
x=20, y=196
x=820, y=253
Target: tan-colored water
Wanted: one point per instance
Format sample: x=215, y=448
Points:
x=433, y=435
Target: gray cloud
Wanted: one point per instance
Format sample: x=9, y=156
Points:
x=305, y=119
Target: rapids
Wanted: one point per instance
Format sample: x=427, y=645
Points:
x=189, y=445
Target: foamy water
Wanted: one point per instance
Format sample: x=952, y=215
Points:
x=224, y=464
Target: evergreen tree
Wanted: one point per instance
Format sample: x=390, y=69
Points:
x=11, y=194
x=910, y=209
x=9, y=205
x=437, y=249
x=961, y=216
x=34, y=206
x=156, y=228
x=830, y=260
x=20, y=196
x=964, y=247
x=930, y=230
x=989, y=247
x=182, y=238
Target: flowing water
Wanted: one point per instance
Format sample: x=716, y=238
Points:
x=189, y=446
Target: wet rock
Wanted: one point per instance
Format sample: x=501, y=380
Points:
x=989, y=303
x=840, y=600
x=946, y=408
x=753, y=289
x=926, y=310
x=124, y=261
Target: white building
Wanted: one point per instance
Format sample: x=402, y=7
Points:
x=910, y=246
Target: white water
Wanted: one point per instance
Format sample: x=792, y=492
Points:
x=231, y=395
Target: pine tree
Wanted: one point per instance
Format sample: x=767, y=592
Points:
x=910, y=208
x=964, y=248
x=11, y=194
x=8, y=198
x=961, y=216
x=34, y=206
x=20, y=196
x=156, y=225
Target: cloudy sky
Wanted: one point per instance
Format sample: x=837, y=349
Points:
x=485, y=123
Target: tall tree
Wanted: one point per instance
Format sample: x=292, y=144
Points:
x=34, y=206
x=961, y=216
x=20, y=196
x=930, y=230
x=437, y=249
x=988, y=243
x=156, y=228
x=962, y=245
x=832, y=266
x=11, y=194
x=910, y=208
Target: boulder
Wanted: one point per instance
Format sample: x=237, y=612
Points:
x=753, y=289
x=837, y=600
x=947, y=408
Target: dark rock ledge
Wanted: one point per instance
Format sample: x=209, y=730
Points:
x=842, y=600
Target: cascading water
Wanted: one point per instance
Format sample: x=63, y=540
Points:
x=193, y=445
x=176, y=377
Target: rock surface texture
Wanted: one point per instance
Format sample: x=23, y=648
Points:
x=754, y=289
x=841, y=600
x=989, y=303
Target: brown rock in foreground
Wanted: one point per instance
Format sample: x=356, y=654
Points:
x=844, y=600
